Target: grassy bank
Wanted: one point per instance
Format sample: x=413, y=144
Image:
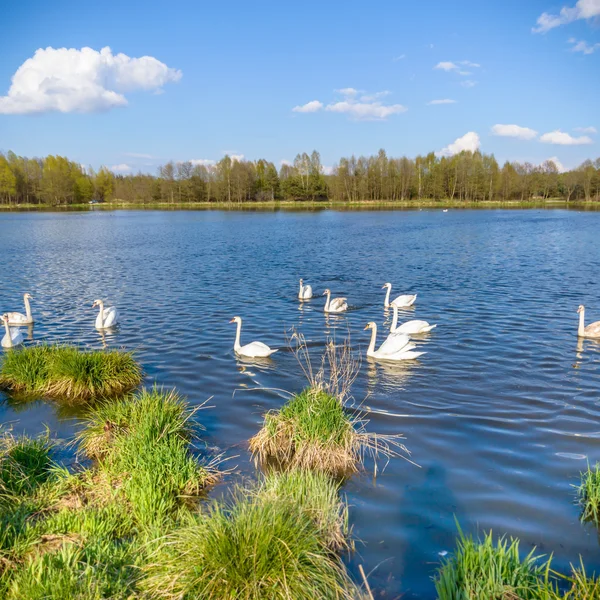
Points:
x=293, y=205
x=69, y=374
x=588, y=494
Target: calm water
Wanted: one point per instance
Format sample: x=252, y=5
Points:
x=501, y=413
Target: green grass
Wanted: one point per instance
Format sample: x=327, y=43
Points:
x=69, y=374
x=488, y=570
x=314, y=431
x=588, y=493
x=273, y=542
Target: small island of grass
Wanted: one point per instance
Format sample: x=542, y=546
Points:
x=588, y=493
x=69, y=374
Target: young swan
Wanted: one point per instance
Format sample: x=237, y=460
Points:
x=335, y=305
x=12, y=337
x=107, y=317
x=251, y=350
x=395, y=347
x=592, y=330
x=410, y=327
x=17, y=318
x=305, y=292
x=403, y=301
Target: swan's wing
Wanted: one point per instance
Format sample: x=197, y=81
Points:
x=337, y=303
x=414, y=326
x=393, y=343
x=405, y=300
x=16, y=317
x=307, y=291
x=593, y=329
x=256, y=349
x=111, y=315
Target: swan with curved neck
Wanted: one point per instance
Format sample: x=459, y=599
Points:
x=251, y=350
x=592, y=330
x=17, y=318
x=107, y=317
x=305, y=292
x=334, y=305
x=403, y=301
x=395, y=347
x=12, y=337
x=410, y=327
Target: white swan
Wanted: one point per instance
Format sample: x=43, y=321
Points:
x=107, y=317
x=335, y=305
x=395, y=347
x=592, y=330
x=305, y=292
x=17, y=318
x=12, y=337
x=410, y=327
x=251, y=350
x=403, y=301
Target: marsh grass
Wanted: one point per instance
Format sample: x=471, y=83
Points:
x=69, y=374
x=314, y=430
x=273, y=541
x=588, y=493
x=488, y=570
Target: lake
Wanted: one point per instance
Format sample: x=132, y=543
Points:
x=501, y=413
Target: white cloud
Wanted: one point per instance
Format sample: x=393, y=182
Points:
x=203, y=162
x=348, y=91
x=469, y=141
x=375, y=96
x=309, y=107
x=583, y=9
x=122, y=168
x=583, y=47
x=586, y=129
x=366, y=111
x=468, y=83
x=561, y=168
x=285, y=162
x=327, y=170
x=397, y=58
x=70, y=80
x=443, y=101
x=464, y=73
x=523, y=133
x=446, y=66
x=237, y=157
x=468, y=63
x=564, y=139
x=136, y=155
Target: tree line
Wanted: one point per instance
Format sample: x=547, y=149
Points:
x=467, y=176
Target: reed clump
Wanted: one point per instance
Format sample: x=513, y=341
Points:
x=275, y=540
x=314, y=430
x=69, y=374
x=588, y=493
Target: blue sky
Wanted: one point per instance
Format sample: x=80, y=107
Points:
x=225, y=77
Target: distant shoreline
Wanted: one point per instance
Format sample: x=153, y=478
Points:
x=304, y=205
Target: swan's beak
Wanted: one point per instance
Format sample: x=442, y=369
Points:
x=232, y=321
x=367, y=327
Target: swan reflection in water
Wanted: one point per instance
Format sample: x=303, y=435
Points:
x=584, y=344
x=107, y=336
x=391, y=374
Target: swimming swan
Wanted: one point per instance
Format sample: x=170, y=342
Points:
x=395, y=347
x=592, y=330
x=17, y=318
x=403, y=301
x=410, y=327
x=305, y=292
x=251, y=350
x=12, y=337
x=335, y=305
x=107, y=317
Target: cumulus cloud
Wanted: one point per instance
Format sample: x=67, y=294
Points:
x=70, y=80
x=309, y=107
x=121, y=168
x=583, y=9
x=586, y=129
x=468, y=83
x=237, y=157
x=446, y=66
x=449, y=66
x=561, y=168
x=203, y=162
x=284, y=161
x=468, y=63
x=523, y=133
x=469, y=141
x=564, y=139
x=357, y=105
x=583, y=47
x=443, y=101
x=327, y=170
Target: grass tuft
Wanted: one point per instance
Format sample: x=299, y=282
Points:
x=588, y=493
x=274, y=541
x=69, y=374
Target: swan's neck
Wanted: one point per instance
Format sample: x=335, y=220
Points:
x=102, y=313
x=301, y=291
x=27, y=308
x=395, y=319
x=7, y=328
x=328, y=299
x=371, y=348
x=387, y=296
x=236, y=344
x=581, y=329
